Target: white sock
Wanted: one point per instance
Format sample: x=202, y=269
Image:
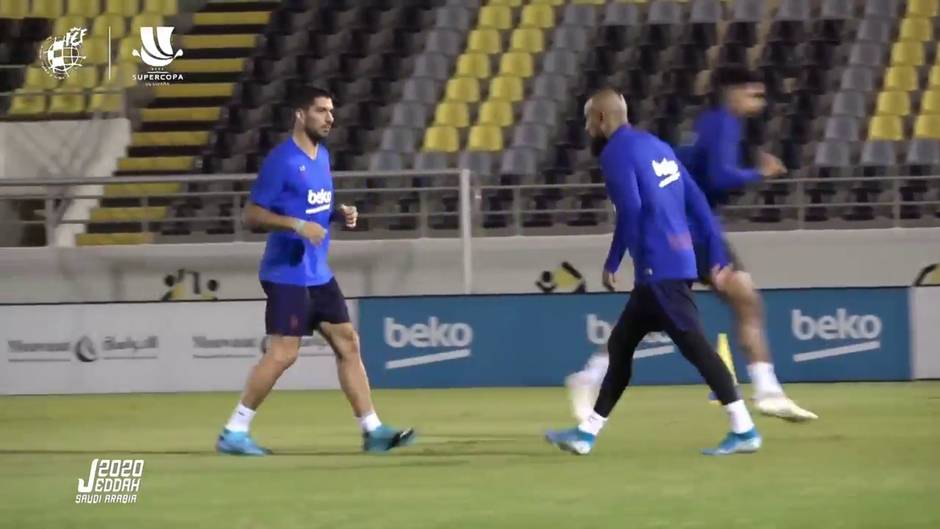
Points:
x=369, y=422
x=764, y=379
x=593, y=424
x=739, y=416
x=596, y=368
x=240, y=421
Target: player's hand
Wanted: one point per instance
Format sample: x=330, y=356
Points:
x=770, y=166
x=350, y=215
x=609, y=279
x=311, y=231
x=721, y=277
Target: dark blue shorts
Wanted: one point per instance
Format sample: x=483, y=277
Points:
x=664, y=306
x=295, y=310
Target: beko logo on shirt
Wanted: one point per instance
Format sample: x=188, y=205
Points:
x=666, y=169
x=318, y=200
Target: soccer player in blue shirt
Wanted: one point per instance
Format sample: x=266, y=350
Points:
x=714, y=161
x=293, y=197
x=655, y=199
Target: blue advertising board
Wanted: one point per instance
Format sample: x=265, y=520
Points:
x=536, y=340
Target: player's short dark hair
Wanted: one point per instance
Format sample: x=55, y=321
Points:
x=731, y=76
x=308, y=94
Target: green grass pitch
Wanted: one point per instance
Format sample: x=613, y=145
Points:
x=871, y=461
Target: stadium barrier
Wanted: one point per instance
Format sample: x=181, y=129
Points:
x=818, y=335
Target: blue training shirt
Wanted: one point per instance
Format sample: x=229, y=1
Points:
x=655, y=200
x=715, y=158
x=292, y=184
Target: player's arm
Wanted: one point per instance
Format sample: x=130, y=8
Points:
x=624, y=192
x=703, y=221
x=259, y=209
x=723, y=146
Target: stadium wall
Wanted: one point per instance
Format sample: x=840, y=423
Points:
x=799, y=259
x=925, y=308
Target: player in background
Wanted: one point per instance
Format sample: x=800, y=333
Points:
x=293, y=197
x=655, y=200
x=714, y=161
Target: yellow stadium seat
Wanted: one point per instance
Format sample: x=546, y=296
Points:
x=452, y=114
x=14, y=8
x=161, y=7
x=927, y=126
x=109, y=21
x=495, y=112
x=80, y=79
x=485, y=40
x=126, y=49
x=907, y=53
x=85, y=8
x=508, y=3
x=476, y=65
x=464, y=89
x=47, y=9
x=67, y=103
x=537, y=16
x=27, y=105
x=156, y=163
x=506, y=88
x=916, y=29
x=38, y=79
x=901, y=78
x=923, y=8
x=528, y=40
x=128, y=214
x=933, y=80
x=441, y=139
x=496, y=17
x=65, y=23
x=930, y=104
x=893, y=103
x=106, y=103
x=516, y=63
x=485, y=138
x=124, y=8
x=887, y=128
x=95, y=50
x=594, y=2
x=555, y=3
x=144, y=20
x=111, y=239
x=122, y=75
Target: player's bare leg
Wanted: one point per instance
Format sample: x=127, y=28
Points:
x=354, y=382
x=769, y=398
x=584, y=385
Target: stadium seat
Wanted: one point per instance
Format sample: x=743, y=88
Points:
x=901, y=78
x=568, y=38
x=551, y=86
x=14, y=9
x=875, y=30
x=842, y=128
x=409, y=114
x=398, y=139
x=881, y=8
x=927, y=126
x=485, y=40
x=453, y=17
x=80, y=79
x=122, y=76
x=442, y=41
x=161, y=7
x=579, y=15
x=106, y=102
x=916, y=29
x=506, y=88
x=519, y=161
x=47, y=9
x=527, y=40
x=496, y=17
x=441, y=139
x=464, y=89
x=475, y=65
x=893, y=103
x=562, y=62
x=516, y=64
x=37, y=80
x=849, y=104
x=907, y=53
x=385, y=161
x=432, y=65
x=111, y=22
x=65, y=23
x=544, y=111
x=422, y=90
x=585, y=2
x=923, y=152
x=496, y=112
x=860, y=79
x=95, y=50
x=922, y=8
x=508, y=3
x=866, y=54
x=930, y=103
x=452, y=114
x=485, y=138
x=933, y=79
x=27, y=105
x=123, y=8
x=537, y=16
x=144, y=20
x=432, y=161
x=85, y=8
x=66, y=103
x=888, y=128
x=530, y=135
x=480, y=162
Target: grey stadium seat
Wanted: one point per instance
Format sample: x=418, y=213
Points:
x=570, y=38
x=422, y=90
x=519, y=162
x=875, y=30
x=432, y=160
x=798, y=10
x=879, y=154
x=706, y=12
x=923, y=152
x=454, y=17
x=410, y=114
x=551, y=86
x=544, y=111
x=621, y=14
x=832, y=154
x=664, y=12
x=385, y=161
x=530, y=135
x=748, y=11
x=849, y=104
x=446, y=41
x=860, y=78
x=579, y=15
x=881, y=8
x=561, y=62
x=837, y=9
x=398, y=139
x=844, y=128
x=866, y=54
x=480, y=162
x=432, y=65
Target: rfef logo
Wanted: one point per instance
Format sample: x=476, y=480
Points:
x=864, y=329
x=457, y=336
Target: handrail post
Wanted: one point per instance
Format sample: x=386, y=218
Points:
x=517, y=209
x=800, y=205
x=50, y=221
x=896, y=202
x=466, y=233
x=237, y=216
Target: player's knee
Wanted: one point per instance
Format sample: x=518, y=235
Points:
x=283, y=353
x=347, y=342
